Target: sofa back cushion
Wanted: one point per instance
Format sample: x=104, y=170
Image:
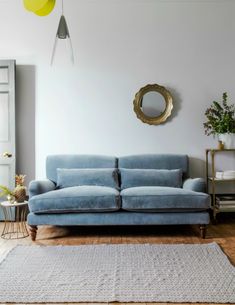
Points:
x=79, y=177
x=77, y=161
x=155, y=161
x=150, y=177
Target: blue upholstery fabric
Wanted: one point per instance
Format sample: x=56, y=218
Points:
x=162, y=199
x=77, y=161
x=40, y=187
x=78, y=205
x=155, y=161
x=150, y=177
x=196, y=185
x=118, y=218
x=76, y=199
x=88, y=176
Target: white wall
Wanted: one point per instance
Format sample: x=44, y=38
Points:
x=120, y=46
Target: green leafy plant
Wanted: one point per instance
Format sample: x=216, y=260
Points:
x=220, y=117
x=5, y=191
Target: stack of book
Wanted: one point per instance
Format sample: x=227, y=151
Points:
x=226, y=202
x=225, y=175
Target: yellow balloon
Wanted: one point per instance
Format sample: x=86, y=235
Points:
x=46, y=9
x=34, y=5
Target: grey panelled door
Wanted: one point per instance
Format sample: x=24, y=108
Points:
x=7, y=124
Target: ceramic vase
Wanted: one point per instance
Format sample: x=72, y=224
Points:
x=228, y=139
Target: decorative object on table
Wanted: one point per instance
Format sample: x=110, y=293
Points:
x=153, y=104
x=220, y=145
x=20, y=189
x=19, y=192
x=225, y=202
x=119, y=273
x=225, y=175
x=221, y=122
x=62, y=33
x=15, y=217
x=7, y=193
x=228, y=140
x=39, y=7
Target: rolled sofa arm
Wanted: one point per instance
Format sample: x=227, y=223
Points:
x=37, y=187
x=195, y=184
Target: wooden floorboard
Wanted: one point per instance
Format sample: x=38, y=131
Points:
x=223, y=233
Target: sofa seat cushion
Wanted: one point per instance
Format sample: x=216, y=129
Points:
x=76, y=199
x=163, y=199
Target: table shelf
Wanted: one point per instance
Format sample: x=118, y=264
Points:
x=221, y=180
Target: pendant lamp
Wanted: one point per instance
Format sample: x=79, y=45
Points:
x=39, y=7
x=62, y=33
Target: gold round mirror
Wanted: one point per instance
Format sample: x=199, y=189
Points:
x=153, y=104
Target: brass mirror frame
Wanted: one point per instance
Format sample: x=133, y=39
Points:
x=138, y=103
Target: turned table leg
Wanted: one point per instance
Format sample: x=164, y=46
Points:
x=32, y=232
x=203, y=231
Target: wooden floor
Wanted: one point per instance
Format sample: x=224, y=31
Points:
x=223, y=233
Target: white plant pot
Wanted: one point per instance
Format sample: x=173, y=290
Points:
x=228, y=139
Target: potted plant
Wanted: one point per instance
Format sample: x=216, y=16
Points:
x=221, y=122
x=6, y=192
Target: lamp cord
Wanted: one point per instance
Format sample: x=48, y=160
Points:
x=62, y=2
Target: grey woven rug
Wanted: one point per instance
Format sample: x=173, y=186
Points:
x=124, y=273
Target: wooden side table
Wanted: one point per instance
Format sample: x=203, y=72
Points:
x=213, y=181
x=15, y=219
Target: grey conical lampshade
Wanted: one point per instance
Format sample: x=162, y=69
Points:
x=62, y=33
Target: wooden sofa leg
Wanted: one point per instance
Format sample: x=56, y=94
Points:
x=32, y=232
x=203, y=231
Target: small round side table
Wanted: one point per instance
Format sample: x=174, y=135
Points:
x=15, y=219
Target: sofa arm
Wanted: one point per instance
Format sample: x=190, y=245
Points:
x=195, y=184
x=37, y=187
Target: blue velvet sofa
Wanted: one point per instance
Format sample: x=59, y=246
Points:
x=91, y=190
